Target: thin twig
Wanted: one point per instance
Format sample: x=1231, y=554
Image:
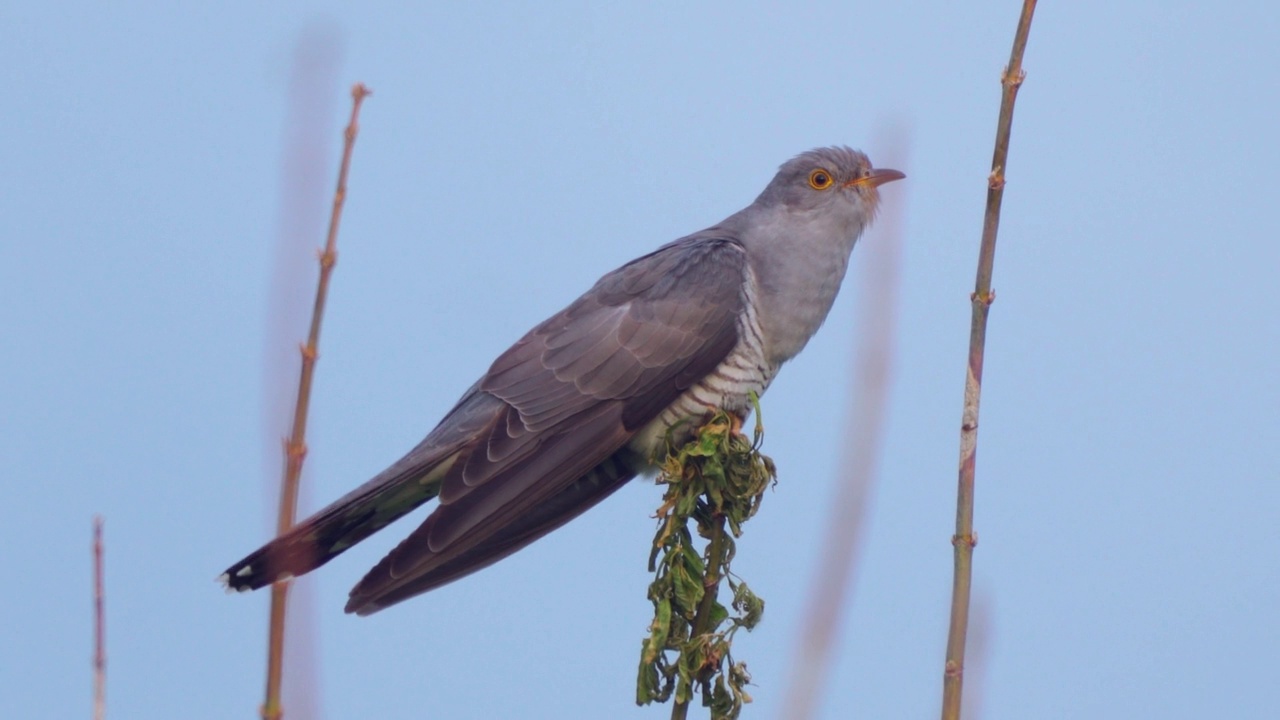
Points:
x=965, y=539
x=296, y=446
x=99, y=627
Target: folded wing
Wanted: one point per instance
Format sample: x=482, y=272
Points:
x=576, y=389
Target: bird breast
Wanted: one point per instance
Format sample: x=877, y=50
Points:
x=744, y=370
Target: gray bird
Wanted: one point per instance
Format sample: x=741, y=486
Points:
x=581, y=404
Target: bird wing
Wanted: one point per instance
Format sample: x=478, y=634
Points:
x=571, y=395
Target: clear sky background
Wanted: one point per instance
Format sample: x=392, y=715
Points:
x=1129, y=461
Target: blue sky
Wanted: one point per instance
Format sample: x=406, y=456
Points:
x=1128, y=501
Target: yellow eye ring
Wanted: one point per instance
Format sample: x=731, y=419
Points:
x=820, y=179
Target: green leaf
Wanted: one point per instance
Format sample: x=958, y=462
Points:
x=719, y=613
x=749, y=606
x=647, y=684
x=688, y=589
x=686, y=505
x=658, y=631
x=692, y=560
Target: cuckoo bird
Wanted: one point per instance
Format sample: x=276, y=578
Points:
x=583, y=402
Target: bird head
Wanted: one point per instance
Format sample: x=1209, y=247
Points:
x=837, y=184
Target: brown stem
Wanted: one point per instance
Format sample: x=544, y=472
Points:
x=711, y=588
x=99, y=627
x=296, y=445
x=965, y=538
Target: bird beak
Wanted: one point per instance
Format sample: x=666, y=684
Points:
x=876, y=178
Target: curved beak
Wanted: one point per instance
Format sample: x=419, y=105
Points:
x=877, y=177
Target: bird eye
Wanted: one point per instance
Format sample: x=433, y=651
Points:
x=820, y=179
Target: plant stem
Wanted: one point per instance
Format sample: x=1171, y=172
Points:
x=296, y=445
x=965, y=539
x=99, y=627
x=711, y=586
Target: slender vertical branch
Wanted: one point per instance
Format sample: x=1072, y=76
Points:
x=295, y=445
x=965, y=538
x=99, y=627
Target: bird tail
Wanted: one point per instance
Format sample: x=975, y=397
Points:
x=331, y=531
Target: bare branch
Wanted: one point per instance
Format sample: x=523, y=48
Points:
x=99, y=626
x=965, y=538
x=296, y=445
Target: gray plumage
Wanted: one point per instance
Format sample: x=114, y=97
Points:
x=580, y=404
